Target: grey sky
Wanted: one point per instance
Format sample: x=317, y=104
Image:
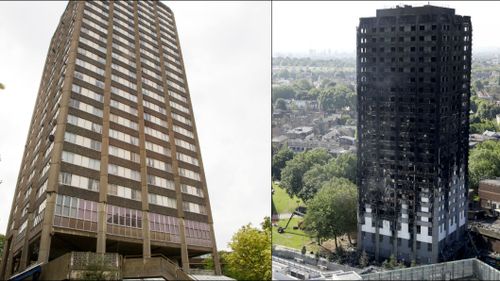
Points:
x=226, y=48
x=300, y=26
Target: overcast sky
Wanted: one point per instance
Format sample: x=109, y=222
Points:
x=300, y=26
x=226, y=48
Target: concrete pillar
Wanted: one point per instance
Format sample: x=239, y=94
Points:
x=46, y=236
x=24, y=254
x=146, y=245
x=215, y=253
x=101, y=228
x=184, y=249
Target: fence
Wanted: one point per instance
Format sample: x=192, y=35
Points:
x=454, y=270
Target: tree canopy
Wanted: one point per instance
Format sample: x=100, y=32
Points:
x=332, y=211
x=484, y=162
x=292, y=174
x=279, y=161
x=250, y=258
x=343, y=166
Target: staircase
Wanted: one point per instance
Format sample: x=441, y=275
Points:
x=155, y=266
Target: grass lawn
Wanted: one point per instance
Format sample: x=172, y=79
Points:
x=293, y=238
x=282, y=202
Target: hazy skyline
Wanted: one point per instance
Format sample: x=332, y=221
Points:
x=305, y=25
x=226, y=48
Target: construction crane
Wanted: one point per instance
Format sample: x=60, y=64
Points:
x=299, y=211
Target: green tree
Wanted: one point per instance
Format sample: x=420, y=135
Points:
x=313, y=94
x=484, y=162
x=284, y=92
x=337, y=98
x=303, y=85
x=342, y=166
x=250, y=258
x=280, y=104
x=333, y=210
x=279, y=161
x=291, y=175
x=478, y=85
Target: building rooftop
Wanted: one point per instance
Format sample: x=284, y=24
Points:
x=495, y=182
x=410, y=10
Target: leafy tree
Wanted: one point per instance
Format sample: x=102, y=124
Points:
x=327, y=83
x=250, y=258
x=332, y=211
x=280, y=104
x=478, y=85
x=279, y=161
x=303, y=84
x=336, y=98
x=291, y=175
x=284, y=92
x=266, y=224
x=343, y=166
x=484, y=162
x=479, y=128
x=313, y=94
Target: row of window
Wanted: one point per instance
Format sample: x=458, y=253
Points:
x=84, y=123
x=123, y=107
x=123, y=121
x=124, y=137
x=82, y=141
x=88, y=93
x=124, y=192
x=85, y=107
x=124, y=154
x=161, y=200
x=80, y=160
x=124, y=172
x=79, y=181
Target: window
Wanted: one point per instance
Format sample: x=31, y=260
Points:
x=161, y=182
x=194, y=208
x=186, y=158
x=124, y=192
x=155, y=133
x=189, y=174
x=162, y=223
x=80, y=160
x=82, y=141
x=123, y=121
x=124, y=216
x=124, y=154
x=185, y=144
x=192, y=190
x=161, y=200
x=78, y=181
x=123, y=137
x=124, y=172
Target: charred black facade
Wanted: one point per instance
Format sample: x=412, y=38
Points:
x=413, y=84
